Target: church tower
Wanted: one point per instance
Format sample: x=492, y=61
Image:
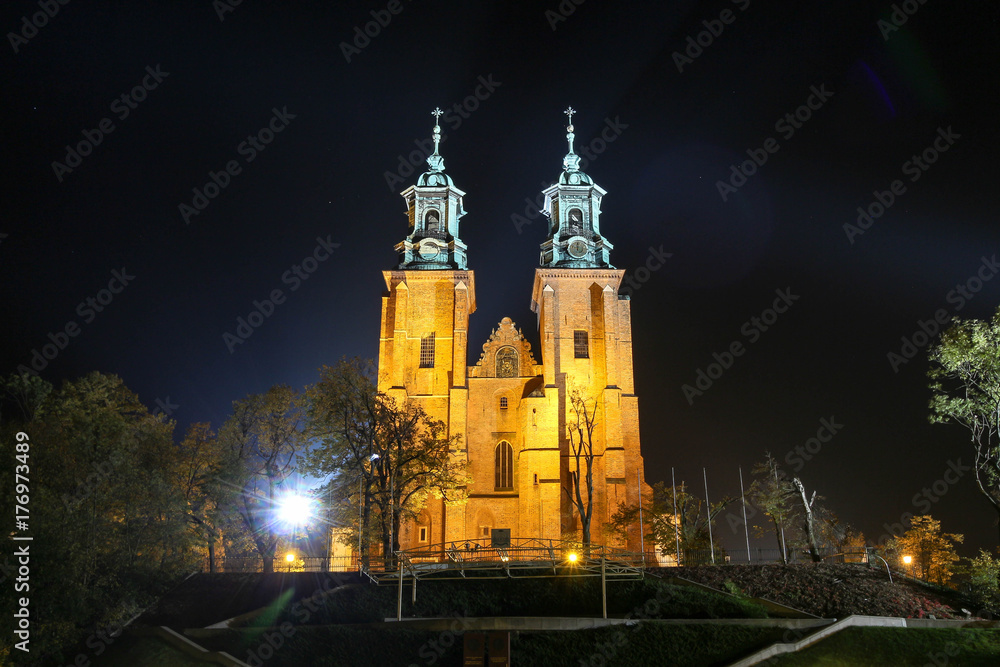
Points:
x=586, y=344
x=423, y=347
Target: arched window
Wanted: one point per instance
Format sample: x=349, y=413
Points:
x=504, y=476
x=507, y=366
x=432, y=220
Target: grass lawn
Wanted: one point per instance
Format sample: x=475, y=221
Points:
x=901, y=648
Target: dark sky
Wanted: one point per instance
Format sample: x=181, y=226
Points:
x=886, y=95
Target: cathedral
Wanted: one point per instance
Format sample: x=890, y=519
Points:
x=512, y=409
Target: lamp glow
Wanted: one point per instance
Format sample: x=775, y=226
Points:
x=295, y=509
x=290, y=558
x=907, y=559
x=572, y=558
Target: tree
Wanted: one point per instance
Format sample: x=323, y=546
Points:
x=688, y=528
x=580, y=427
x=965, y=382
x=106, y=515
x=984, y=582
x=809, y=521
x=933, y=552
x=205, y=462
x=261, y=437
x=395, y=457
x=772, y=493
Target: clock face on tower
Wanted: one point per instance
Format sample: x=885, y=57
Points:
x=577, y=248
x=429, y=250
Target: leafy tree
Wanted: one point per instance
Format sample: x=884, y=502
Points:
x=773, y=493
x=204, y=463
x=262, y=437
x=965, y=382
x=984, y=582
x=394, y=457
x=580, y=429
x=106, y=515
x=689, y=526
x=932, y=551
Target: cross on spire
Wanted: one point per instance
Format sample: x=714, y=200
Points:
x=569, y=112
x=436, y=164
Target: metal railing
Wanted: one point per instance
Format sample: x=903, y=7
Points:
x=522, y=553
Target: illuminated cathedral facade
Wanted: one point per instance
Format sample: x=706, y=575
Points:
x=511, y=409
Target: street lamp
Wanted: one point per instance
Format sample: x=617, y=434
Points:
x=908, y=560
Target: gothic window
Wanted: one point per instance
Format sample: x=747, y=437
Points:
x=580, y=345
x=423, y=534
x=503, y=402
x=504, y=476
x=507, y=366
x=427, y=351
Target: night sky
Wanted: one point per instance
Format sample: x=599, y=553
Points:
x=200, y=78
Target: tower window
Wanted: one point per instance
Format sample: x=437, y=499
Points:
x=427, y=351
x=503, y=402
x=432, y=220
x=575, y=218
x=423, y=534
x=504, y=476
x=580, y=345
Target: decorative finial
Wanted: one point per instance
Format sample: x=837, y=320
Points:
x=434, y=160
x=572, y=161
x=569, y=112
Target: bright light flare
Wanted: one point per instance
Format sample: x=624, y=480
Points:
x=295, y=509
x=907, y=559
x=290, y=557
x=572, y=558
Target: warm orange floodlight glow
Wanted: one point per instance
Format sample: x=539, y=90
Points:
x=907, y=559
x=572, y=558
x=290, y=557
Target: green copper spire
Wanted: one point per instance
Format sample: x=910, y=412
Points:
x=572, y=161
x=434, y=207
x=573, y=207
x=434, y=160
